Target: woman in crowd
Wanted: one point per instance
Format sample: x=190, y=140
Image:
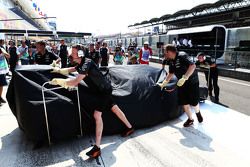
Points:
x=118, y=56
x=3, y=69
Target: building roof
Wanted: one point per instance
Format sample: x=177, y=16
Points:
x=200, y=10
x=201, y=7
x=194, y=30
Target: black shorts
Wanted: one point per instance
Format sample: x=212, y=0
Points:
x=3, y=81
x=105, y=103
x=189, y=94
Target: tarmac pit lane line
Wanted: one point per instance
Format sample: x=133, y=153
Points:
x=235, y=82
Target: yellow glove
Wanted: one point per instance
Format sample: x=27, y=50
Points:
x=54, y=64
x=163, y=84
x=61, y=82
x=63, y=71
x=182, y=81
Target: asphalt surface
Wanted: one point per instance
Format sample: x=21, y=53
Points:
x=234, y=94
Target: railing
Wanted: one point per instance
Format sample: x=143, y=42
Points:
x=238, y=59
x=231, y=59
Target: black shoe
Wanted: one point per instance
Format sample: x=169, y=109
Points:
x=2, y=100
x=127, y=132
x=94, y=152
x=216, y=100
x=188, y=123
x=199, y=117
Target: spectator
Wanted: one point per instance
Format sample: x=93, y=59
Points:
x=13, y=56
x=104, y=53
x=176, y=43
x=32, y=53
x=185, y=42
x=190, y=43
x=97, y=46
x=3, y=69
x=133, y=60
x=131, y=52
x=145, y=54
x=118, y=56
x=23, y=53
x=63, y=53
x=122, y=49
x=93, y=54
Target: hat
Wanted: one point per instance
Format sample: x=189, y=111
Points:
x=146, y=43
x=200, y=54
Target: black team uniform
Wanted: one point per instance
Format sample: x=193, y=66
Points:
x=104, y=56
x=212, y=78
x=97, y=83
x=13, y=58
x=95, y=56
x=102, y=90
x=188, y=94
x=63, y=54
x=45, y=59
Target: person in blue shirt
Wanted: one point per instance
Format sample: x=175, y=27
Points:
x=118, y=56
x=3, y=69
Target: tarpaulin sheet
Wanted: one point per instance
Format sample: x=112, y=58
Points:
x=134, y=90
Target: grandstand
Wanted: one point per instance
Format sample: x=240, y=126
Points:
x=230, y=13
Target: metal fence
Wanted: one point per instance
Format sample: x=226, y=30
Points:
x=237, y=59
x=232, y=59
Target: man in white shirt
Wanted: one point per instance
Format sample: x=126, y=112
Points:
x=185, y=42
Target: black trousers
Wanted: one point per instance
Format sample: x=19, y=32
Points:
x=212, y=82
x=64, y=62
x=12, y=65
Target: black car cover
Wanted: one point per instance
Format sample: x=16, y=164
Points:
x=134, y=90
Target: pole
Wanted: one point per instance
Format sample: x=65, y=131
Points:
x=216, y=43
x=31, y=18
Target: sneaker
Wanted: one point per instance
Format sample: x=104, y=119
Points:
x=94, y=152
x=2, y=100
x=199, y=117
x=188, y=123
x=127, y=132
x=216, y=100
